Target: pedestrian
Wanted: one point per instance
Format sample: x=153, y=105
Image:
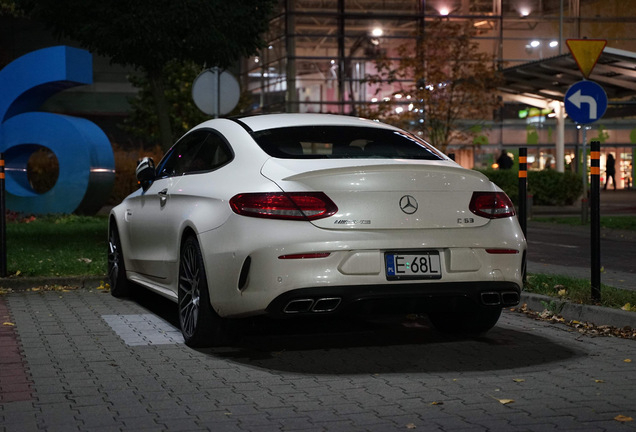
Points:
x=504, y=161
x=610, y=171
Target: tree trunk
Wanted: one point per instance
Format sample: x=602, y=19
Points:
x=162, y=109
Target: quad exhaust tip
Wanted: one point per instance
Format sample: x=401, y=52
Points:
x=321, y=305
x=328, y=304
x=494, y=298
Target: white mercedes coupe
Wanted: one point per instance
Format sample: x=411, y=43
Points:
x=293, y=215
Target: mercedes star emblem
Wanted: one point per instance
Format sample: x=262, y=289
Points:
x=408, y=204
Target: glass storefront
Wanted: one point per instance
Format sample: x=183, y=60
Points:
x=319, y=54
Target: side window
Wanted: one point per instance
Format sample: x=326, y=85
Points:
x=213, y=153
x=181, y=155
x=199, y=151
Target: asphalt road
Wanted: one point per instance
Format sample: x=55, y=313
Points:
x=84, y=361
x=554, y=243
x=563, y=249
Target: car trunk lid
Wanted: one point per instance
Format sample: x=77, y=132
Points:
x=390, y=194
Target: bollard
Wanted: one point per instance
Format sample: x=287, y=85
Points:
x=595, y=219
x=523, y=198
x=523, y=188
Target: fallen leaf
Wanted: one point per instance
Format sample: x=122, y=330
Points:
x=622, y=418
x=85, y=260
x=627, y=360
x=8, y=324
x=503, y=401
x=599, y=381
x=410, y=426
x=437, y=403
x=627, y=307
x=518, y=380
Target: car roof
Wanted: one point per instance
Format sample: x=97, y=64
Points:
x=272, y=121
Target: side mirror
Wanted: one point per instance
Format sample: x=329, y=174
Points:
x=145, y=172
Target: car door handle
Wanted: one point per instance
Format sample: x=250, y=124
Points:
x=163, y=196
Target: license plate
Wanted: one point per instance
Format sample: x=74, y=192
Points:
x=413, y=265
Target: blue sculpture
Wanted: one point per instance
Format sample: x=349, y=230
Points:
x=85, y=157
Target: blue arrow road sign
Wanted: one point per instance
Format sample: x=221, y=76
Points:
x=585, y=102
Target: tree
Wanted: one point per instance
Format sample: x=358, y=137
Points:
x=142, y=121
x=439, y=80
x=149, y=34
x=184, y=114
x=7, y=8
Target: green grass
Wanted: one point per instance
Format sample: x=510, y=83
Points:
x=612, y=222
x=62, y=245
x=579, y=291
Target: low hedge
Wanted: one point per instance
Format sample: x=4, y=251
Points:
x=547, y=187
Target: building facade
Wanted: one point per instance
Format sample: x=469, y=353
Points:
x=319, y=53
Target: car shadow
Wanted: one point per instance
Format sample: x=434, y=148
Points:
x=394, y=345
x=389, y=345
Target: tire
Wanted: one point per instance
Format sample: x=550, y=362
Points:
x=119, y=285
x=200, y=325
x=466, y=321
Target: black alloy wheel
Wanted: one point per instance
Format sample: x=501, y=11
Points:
x=119, y=285
x=200, y=325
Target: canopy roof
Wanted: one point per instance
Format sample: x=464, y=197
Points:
x=537, y=83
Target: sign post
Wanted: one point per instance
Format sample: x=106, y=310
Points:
x=215, y=92
x=586, y=53
x=585, y=102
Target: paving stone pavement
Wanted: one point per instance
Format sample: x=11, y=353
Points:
x=96, y=363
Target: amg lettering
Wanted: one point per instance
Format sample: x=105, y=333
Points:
x=352, y=222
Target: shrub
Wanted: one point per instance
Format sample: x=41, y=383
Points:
x=125, y=166
x=554, y=188
x=547, y=187
x=42, y=170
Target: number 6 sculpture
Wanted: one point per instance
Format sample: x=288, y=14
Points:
x=84, y=154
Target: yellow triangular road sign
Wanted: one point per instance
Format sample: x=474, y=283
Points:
x=586, y=53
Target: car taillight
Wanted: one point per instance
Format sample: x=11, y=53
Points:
x=293, y=205
x=491, y=205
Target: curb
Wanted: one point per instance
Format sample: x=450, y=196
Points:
x=596, y=315
x=17, y=284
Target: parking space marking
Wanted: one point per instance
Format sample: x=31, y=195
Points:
x=143, y=329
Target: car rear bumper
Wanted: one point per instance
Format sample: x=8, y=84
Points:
x=247, y=273
x=379, y=299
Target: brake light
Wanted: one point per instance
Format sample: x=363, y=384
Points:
x=502, y=251
x=491, y=205
x=280, y=205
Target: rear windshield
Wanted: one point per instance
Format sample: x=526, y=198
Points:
x=337, y=142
